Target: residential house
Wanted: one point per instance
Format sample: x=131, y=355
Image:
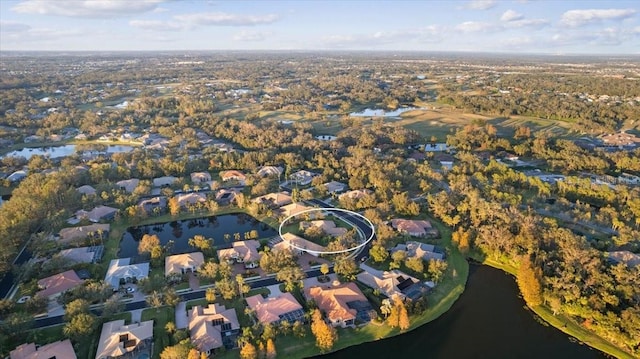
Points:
x=393, y=283
x=189, y=199
x=233, y=175
x=421, y=250
x=122, y=271
x=269, y=171
x=149, y=205
x=445, y=159
x=128, y=185
x=303, y=177
x=414, y=228
x=225, y=196
x=61, y=349
x=629, y=258
x=328, y=227
x=343, y=304
x=436, y=147
x=17, y=176
x=75, y=233
x=298, y=245
x=274, y=310
x=335, y=187
x=274, y=200
x=118, y=340
x=100, y=213
x=91, y=254
x=213, y=327
x=86, y=190
x=326, y=138
x=242, y=252
x=165, y=181
x=355, y=194
x=183, y=263
x=293, y=209
x=52, y=287
x=200, y=177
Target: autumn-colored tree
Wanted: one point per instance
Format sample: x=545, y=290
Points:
x=324, y=269
x=193, y=354
x=436, y=269
x=298, y=329
x=403, y=318
x=326, y=335
x=291, y=276
x=378, y=253
x=248, y=351
x=415, y=264
x=174, y=206
x=210, y=295
x=201, y=242
x=529, y=282
x=346, y=268
x=271, y=349
x=394, y=316
x=80, y=326
x=462, y=239
x=148, y=243
x=178, y=351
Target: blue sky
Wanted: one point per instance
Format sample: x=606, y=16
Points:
x=518, y=26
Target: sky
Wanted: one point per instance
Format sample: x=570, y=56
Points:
x=512, y=26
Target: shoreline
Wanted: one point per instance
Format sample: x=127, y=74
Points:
x=561, y=322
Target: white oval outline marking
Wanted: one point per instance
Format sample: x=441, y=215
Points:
x=373, y=230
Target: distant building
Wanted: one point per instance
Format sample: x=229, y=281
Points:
x=303, y=177
x=269, y=171
x=335, y=187
x=274, y=310
x=293, y=208
x=86, y=190
x=233, y=175
x=57, y=350
x=393, y=283
x=328, y=227
x=355, y=194
x=165, y=181
x=124, y=341
x=200, y=177
x=421, y=250
x=298, y=244
x=150, y=204
x=128, y=185
x=629, y=258
x=414, y=228
x=436, y=147
x=190, y=199
x=274, y=200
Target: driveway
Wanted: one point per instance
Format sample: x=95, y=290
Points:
x=181, y=315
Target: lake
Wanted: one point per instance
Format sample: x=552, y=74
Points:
x=489, y=320
x=381, y=113
x=180, y=231
x=64, y=150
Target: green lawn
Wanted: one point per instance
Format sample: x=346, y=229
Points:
x=160, y=317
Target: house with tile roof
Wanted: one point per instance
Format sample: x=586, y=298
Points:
x=213, y=327
x=57, y=350
x=242, y=252
x=342, y=304
x=124, y=341
x=52, y=287
x=274, y=310
x=414, y=228
x=122, y=271
x=128, y=185
x=183, y=263
x=75, y=233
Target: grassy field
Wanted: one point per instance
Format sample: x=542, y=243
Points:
x=565, y=323
x=160, y=317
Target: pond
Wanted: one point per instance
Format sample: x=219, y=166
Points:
x=66, y=150
x=489, y=320
x=368, y=112
x=180, y=231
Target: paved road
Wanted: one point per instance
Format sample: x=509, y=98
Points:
x=49, y=321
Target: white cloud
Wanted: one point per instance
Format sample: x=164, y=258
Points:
x=575, y=18
x=536, y=23
x=481, y=4
x=251, y=36
x=511, y=15
x=475, y=26
x=427, y=34
x=225, y=19
x=12, y=26
x=156, y=25
x=35, y=35
x=86, y=8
